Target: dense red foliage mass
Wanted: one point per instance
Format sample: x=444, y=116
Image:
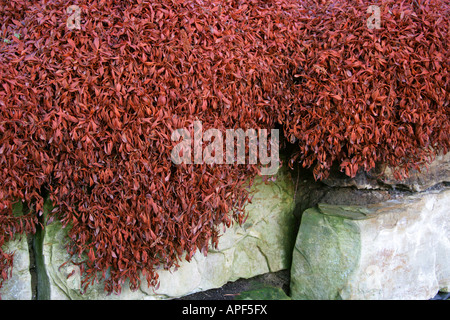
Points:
x=364, y=96
x=87, y=114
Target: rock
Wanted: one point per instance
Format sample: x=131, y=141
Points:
x=362, y=180
x=382, y=178
x=438, y=172
x=308, y=193
x=357, y=197
x=239, y=288
x=262, y=244
x=397, y=249
x=264, y=293
x=18, y=286
x=327, y=249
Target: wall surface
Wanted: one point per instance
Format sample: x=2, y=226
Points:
x=263, y=244
x=370, y=237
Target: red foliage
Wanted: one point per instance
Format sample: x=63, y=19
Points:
x=365, y=96
x=87, y=115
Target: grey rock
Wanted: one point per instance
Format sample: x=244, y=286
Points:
x=18, y=286
x=262, y=244
x=382, y=177
x=397, y=249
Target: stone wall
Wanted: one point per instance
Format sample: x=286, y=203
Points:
x=371, y=237
x=263, y=244
x=398, y=249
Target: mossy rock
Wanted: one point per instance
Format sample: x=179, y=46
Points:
x=264, y=293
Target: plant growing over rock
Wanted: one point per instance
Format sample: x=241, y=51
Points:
x=87, y=113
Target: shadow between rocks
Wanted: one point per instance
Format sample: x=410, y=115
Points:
x=232, y=290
